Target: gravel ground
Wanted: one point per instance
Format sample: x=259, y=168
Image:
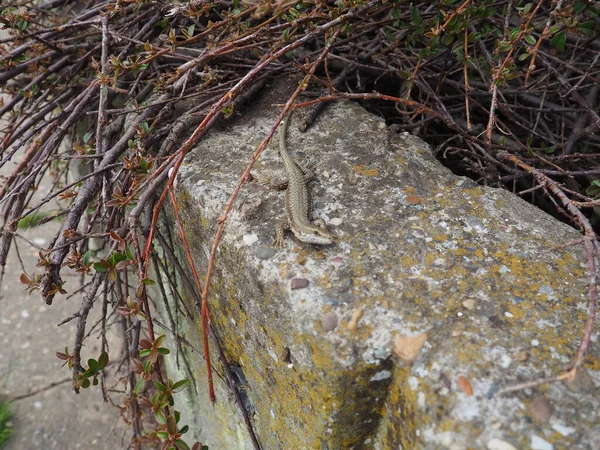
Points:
x=55, y=418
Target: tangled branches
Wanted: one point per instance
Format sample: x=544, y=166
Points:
x=108, y=99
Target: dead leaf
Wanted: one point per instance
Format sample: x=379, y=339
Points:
x=413, y=200
x=464, y=385
x=408, y=348
x=353, y=323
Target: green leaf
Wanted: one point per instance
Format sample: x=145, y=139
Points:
x=579, y=7
x=184, y=429
x=171, y=425
x=530, y=39
x=161, y=387
x=228, y=111
x=99, y=267
x=160, y=417
x=514, y=32
x=180, y=385
x=116, y=257
x=415, y=16
x=139, y=385
x=587, y=28
x=145, y=352
x=86, y=257
x=129, y=254
x=559, y=40
x=85, y=384
x=162, y=434
x=593, y=189
x=93, y=364
x=34, y=219
x=529, y=141
x=181, y=444
x=163, y=351
x=148, y=282
x=103, y=360
x=159, y=340
x=155, y=399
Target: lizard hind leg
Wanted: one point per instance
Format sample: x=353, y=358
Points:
x=279, y=234
x=320, y=223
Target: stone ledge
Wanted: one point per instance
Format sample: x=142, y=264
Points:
x=474, y=271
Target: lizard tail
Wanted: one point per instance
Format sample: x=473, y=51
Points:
x=282, y=133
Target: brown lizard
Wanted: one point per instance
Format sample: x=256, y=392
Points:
x=297, y=202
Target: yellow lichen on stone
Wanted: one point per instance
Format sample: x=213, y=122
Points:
x=592, y=363
x=407, y=261
x=517, y=311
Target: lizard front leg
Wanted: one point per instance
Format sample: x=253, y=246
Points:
x=307, y=168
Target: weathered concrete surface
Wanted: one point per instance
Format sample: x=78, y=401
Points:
x=420, y=251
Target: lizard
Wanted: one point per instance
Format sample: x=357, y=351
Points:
x=297, y=202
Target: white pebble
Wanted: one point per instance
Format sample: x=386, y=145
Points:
x=563, y=429
x=498, y=444
x=250, y=239
x=537, y=443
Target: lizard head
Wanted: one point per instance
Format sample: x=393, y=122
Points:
x=314, y=234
